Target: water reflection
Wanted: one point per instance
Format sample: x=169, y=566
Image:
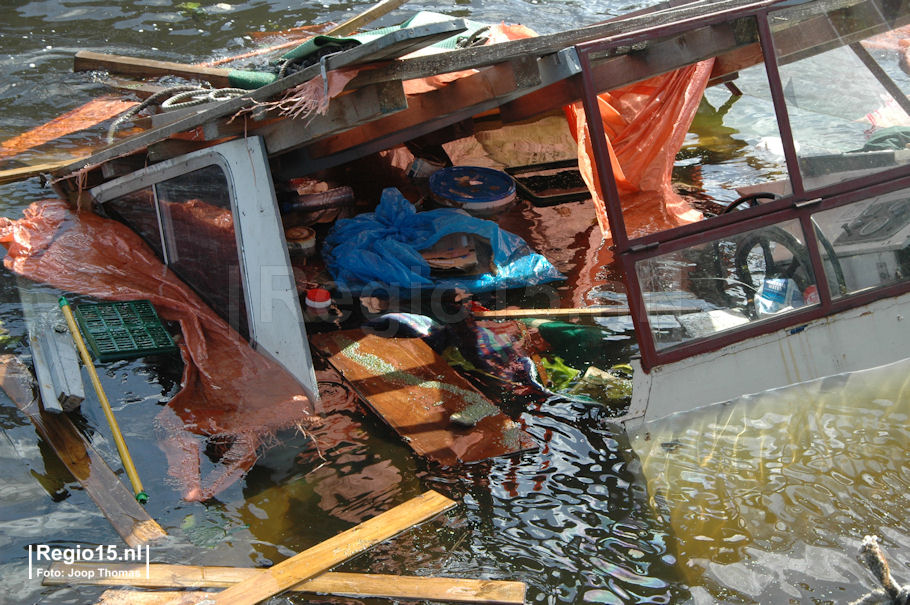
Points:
x=768, y=497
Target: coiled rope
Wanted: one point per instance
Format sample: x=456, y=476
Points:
x=891, y=593
x=175, y=97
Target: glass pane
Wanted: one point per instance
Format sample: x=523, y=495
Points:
x=869, y=242
x=733, y=146
x=844, y=87
x=137, y=210
x=707, y=288
x=200, y=241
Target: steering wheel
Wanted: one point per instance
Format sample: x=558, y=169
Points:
x=752, y=200
x=796, y=265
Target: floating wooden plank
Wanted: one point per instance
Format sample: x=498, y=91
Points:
x=86, y=60
x=415, y=391
x=389, y=46
x=356, y=585
x=14, y=175
x=135, y=597
x=371, y=14
x=344, y=112
x=116, y=501
x=333, y=551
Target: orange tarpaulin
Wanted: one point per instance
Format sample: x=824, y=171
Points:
x=645, y=124
x=229, y=390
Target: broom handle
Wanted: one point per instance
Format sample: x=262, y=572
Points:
x=125, y=457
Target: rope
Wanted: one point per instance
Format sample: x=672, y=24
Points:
x=891, y=593
x=175, y=97
x=199, y=96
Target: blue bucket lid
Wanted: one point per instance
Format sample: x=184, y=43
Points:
x=471, y=184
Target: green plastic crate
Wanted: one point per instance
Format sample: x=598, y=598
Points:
x=123, y=330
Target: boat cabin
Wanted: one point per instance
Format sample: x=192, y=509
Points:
x=803, y=274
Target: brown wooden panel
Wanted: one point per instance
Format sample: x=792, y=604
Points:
x=359, y=585
x=335, y=550
x=114, y=499
x=415, y=391
x=470, y=91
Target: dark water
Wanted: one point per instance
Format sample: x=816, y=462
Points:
x=575, y=520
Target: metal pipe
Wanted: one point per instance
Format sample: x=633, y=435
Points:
x=125, y=457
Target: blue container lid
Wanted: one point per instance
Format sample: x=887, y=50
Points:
x=471, y=184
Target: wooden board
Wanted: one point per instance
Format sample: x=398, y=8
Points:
x=115, y=500
x=333, y=551
x=357, y=585
x=347, y=111
x=391, y=45
x=480, y=56
x=376, y=11
x=427, y=113
x=86, y=60
x=415, y=391
x=22, y=173
x=135, y=597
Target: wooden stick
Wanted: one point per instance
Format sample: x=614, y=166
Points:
x=333, y=551
x=26, y=172
x=87, y=60
x=605, y=311
x=356, y=585
x=127, y=517
x=371, y=14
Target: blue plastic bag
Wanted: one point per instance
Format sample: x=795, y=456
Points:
x=383, y=247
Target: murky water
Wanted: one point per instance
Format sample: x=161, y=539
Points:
x=577, y=520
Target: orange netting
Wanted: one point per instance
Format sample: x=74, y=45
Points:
x=230, y=391
x=645, y=125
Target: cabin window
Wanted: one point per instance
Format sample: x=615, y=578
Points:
x=200, y=242
x=733, y=147
x=213, y=218
x=137, y=209
x=869, y=242
x=846, y=96
x=726, y=283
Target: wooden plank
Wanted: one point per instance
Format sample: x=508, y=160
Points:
x=356, y=585
x=371, y=14
x=333, y=551
x=135, y=597
x=467, y=92
x=733, y=52
x=14, y=175
x=389, y=46
x=472, y=58
x=344, y=112
x=608, y=74
x=115, y=500
x=86, y=60
x=415, y=391
x=459, y=100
